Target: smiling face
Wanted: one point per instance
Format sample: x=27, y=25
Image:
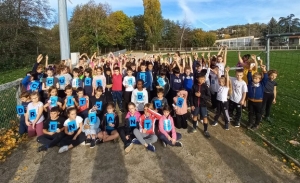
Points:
x=72, y=115
x=239, y=75
x=131, y=109
x=53, y=92
x=273, y=76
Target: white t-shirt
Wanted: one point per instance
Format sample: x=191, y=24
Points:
x=222, y=93
x=238, y=88
x=139, y=100
x=126, y=82
x=78, y=120
x=214, y=82
x=68, y=79
x=221, y=68
x=36, y=109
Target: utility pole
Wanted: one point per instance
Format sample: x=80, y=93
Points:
x=63, y=30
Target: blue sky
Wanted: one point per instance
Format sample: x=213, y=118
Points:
x=206, y=14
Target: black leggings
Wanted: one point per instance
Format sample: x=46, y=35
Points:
x=181, y=121
x=127, y=99
x=214, y=100
x=68, y=139
x=254, y=110
x=267, y=103
x=238, y=113
x=222, y=107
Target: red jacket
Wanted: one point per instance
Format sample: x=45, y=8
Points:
x=153, y=117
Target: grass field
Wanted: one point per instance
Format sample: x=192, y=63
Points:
x=285, y=114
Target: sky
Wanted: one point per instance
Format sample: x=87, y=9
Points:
x=206, y=14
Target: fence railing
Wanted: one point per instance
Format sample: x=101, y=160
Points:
x=9, y=98
x=116, y=53
x=231, y=48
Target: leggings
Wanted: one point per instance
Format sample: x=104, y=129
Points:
x=267, y=103
x=254, y=110
x=68, y=139
x=222, y=107
x=37, y=131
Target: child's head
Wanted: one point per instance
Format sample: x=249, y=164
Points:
x=99, y=91
x=146, y=107
x=99, y=71
x=166, y=110
x=72, y=113
x=52, y=91
x=80, y=92
x=54, y=112
x=187, y=71
x=81, y=70
x=162, y=73
x=76, y=72
x=24, y=96
x=139, y=84
x=39, y=68
x=214, y=68
x=50, y=72
x=160, y=92
x=201, y=78
x=239, y=74
x=35, y=97
x=272, y=74
x=198, y=67
x=88, y=72
x=246, y=57
x=222, y=81
x=180, y=92
x=219, y=59
x=68, y=90
x=117, y=70
x=129, y=72
x=176, y=71
x=108, y=71
x=131, y=107
x=110, y=107
x=256, y=77
x=133, y=66
x=143, y=67
x=150, y=66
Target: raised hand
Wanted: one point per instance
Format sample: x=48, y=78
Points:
x=39, y=58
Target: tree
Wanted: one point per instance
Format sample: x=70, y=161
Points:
x=272, y=26
x=289, y=23
x=184, y=25
x=170, y=33
x=203, y=39
x=140, y=35
x=153, y=21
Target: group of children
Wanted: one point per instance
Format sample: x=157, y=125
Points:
x=67, y=106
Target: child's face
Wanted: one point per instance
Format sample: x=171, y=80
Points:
x=133, y=67
x=256, y=79
x=239, y=75
x=179, y=94
x=39, y=70
x=75, y=74
x=53, y=93
x=24, y=99
x=117, y=72
x=34, y=98
x=98, y=93
x=273, y=76
x=54, y=115
x=221, y=82
x=199, y=68
x=187, y=72
x=50, y=73
x=110, y=109
x=131, y=109
x=160, y=95
x=86, y=74
x=150, y=67
x=143, y=68
x=72, y=115
x=139, y=85
x=201, y=80
x=99, y=72
x=129, y=73
x=80, y=94
x=69, y=92
x=166, y=113
x=220, y=59
x=108, y=73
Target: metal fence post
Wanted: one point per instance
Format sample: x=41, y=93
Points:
x=268, y=53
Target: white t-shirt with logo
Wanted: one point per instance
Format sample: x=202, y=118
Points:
x=125, y=82
x=222, y=93
x=78, y=120
x=238, y=88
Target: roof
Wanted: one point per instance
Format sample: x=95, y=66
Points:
x=294, y=37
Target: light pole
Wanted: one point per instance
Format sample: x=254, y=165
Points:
x=63, y=30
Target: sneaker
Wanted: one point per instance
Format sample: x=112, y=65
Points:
x=42, y=148
x=254, y=127
x=237, y=125
x=63, y=149
x=164, y=144
x=88, y=141
x=178, y=144
x=227, y=126
x=128, y=147
x=193, y=130
x=93, y=143
x=206, y=134
x=99, y=141
x=136, y=141
x=200, y=121
x=231, y=119
x=151, y=147
x=215, y=123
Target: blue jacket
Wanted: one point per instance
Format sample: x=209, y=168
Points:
x=26, y=84
x=255, y=94
x=176, y=83
x=147, y=81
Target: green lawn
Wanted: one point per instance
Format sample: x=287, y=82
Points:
x=11, y=75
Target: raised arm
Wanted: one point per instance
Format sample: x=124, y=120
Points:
x=227, y=76
x=220, y=51
x=225, y=56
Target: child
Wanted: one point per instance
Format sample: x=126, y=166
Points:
x=145, y=76
x=146, y=134
x=91, y=128
x=99, y=79
x=237, y=99
x=152, y=74
x=255, y=95
x=76, y=81
x=25, y=98
x=69, y=92
x=176, y=83
x=53, y=130
x=87, y=82
x=139, y=96
x=180, y=107
x=117, y=88
x=167, y=132
x=129, y=84
x=214, y=84
x=222, y=103
x=109, y=125
x=222, y=60
x=82, y=105
x=64, y=79
x=198, y=100
x=107, y=91
x=163, y=82
x=160, y=101
x=31, y=82
x=188, y=80
x=131, y=122
x=49, y=81
x=73, y=131
x=52, y=94
x=270, y=93
x=99, y=101
x=34, y=116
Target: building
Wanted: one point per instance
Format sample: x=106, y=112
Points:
x=294, y=40
x=236, y=42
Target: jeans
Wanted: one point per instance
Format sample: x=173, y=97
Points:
x=117, y=98
x=23, y=128
x=163, y=138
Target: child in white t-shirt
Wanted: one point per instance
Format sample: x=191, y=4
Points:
x=222, y=103
x=129, y=84
x=139, y=96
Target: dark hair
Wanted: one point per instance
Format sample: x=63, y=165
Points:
x=239, y=70
x=201, y=75
x=79, y=89
x=140, y=80
x=71, y=109
x=76, y=70
x=25, y=94
x=55, y=109
x=129, y=69
x=143, y=64
x=116, y=68
x=213, y=66
x=203, y=71
x=176, y=70
x=162, y=72
x=52, y=88
x=111, y=104
x=166, y=108
x=99, y=89
x=89, y=70
x=68, y=87
x=159, y=90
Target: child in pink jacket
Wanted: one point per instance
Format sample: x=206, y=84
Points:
x=167, y=133
x=180, y=107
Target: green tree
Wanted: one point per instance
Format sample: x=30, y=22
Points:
x=170, y=34
x=140, y=36
x=272, y=26
x=289, y=23
x=153, y=21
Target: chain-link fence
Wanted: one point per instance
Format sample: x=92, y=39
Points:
x=9, y=98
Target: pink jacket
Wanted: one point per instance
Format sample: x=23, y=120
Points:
x=136, y=114
x=183, y=110
x=161, y=127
